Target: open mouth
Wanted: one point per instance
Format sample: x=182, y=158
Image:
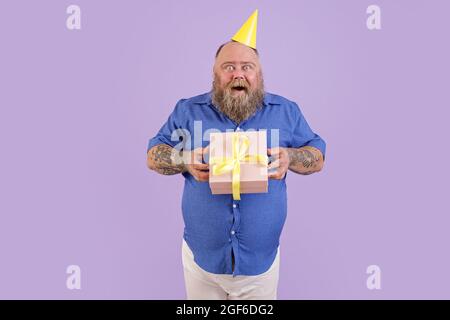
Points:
x=239, y=88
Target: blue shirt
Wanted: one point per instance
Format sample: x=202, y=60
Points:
x=215, y=225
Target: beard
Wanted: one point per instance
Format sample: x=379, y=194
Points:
x=241, y=106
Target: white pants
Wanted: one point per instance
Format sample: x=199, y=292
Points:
x=203, y=285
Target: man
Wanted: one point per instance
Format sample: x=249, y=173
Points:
x=230, y=248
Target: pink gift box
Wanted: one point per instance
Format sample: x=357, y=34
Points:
x=253, y=176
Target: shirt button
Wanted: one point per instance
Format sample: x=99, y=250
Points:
x=233, y=232
x=237, y=129
x=234, y=205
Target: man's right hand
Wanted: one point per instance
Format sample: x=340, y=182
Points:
x=193, y=162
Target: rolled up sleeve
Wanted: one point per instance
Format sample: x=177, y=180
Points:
x=167, y=133
x=303, y=135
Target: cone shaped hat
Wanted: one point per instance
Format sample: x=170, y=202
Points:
x=247, y=33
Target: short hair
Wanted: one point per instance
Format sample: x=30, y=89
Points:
x=222, y=45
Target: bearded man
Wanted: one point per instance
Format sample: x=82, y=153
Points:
x=230, y=249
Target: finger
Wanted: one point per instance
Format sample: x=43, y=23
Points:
x=202, y=176
x=274, y=158
x=279, y=174
x=201, y=166
x=199, y=171
x=274, y=152
x=274, y=174
x=273, y=164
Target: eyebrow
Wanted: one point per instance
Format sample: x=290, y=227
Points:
x=237, y=62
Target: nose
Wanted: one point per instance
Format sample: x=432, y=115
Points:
x=238, y=75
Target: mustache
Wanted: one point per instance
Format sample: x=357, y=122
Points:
x=238, y=84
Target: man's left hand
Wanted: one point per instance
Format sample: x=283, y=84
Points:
x=280, y=162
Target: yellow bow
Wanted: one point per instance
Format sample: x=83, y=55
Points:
x=221, y=165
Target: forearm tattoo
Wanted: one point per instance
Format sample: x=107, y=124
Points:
x=303, y=161
x=167, y=161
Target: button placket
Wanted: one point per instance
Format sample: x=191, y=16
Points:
x=233, y=239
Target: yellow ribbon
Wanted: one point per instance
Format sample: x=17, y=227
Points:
x=222, y=165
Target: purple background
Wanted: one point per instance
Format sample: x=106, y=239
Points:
x=78, y=107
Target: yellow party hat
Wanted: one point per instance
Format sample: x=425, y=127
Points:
x=247, y=33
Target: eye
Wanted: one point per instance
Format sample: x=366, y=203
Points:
x=229, y=67
x=247, y=67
